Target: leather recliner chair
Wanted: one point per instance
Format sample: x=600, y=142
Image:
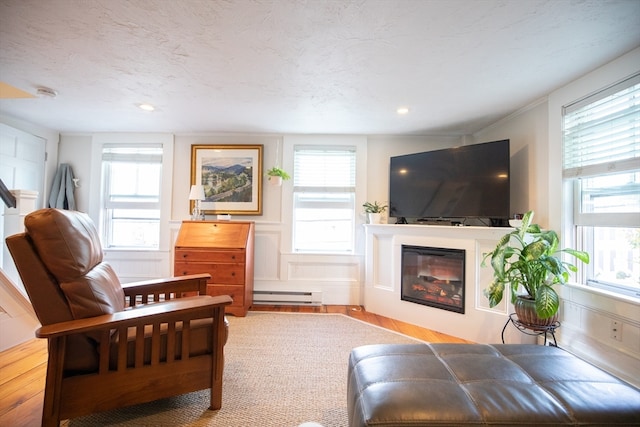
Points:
x=113, y=345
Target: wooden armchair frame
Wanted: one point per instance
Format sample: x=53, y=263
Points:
x=70, y=396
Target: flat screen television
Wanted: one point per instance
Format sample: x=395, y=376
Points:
x=470, y=181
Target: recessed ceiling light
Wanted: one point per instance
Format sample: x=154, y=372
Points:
x=402, y=110
x=146, y=107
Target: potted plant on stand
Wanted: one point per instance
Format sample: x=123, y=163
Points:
x=275, y=175
x=374, y=212
x=529, y=258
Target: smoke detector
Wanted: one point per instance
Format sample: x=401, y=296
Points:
x=45, y=91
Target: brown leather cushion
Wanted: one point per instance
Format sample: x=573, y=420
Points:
x=97, y=292
x=69, y=246
x=47, y=298
x=50, y=303
x=66, y=241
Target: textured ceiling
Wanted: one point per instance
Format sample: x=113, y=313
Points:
x=296, y=66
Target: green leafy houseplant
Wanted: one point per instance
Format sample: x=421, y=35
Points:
x=528, y=257
x=276, y=171
x=374, y=207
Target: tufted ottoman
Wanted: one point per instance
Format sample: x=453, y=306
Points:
x=477, y=384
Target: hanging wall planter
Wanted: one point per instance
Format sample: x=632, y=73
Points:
x=275, y=176
x=275, y=180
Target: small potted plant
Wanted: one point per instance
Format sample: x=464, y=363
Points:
x=374, y=211
x=529, y=257
x=276, y=175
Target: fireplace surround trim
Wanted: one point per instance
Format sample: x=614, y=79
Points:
x=382, y=287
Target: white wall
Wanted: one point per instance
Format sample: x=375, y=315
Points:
x=527, y=132
x=587, y=315
x=182, y=170
x=17, y=320
x=338, y=278
x=76, y=151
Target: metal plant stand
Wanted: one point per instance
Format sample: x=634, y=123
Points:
x=535, y=330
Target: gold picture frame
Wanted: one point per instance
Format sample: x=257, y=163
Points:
x=231, y=176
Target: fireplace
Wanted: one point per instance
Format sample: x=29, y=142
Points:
x=433, y=277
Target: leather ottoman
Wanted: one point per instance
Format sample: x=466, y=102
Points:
x=477, y=384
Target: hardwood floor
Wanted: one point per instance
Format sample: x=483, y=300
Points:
x=23, y=367
x=22, y=375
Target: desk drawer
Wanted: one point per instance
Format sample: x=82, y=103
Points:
x=191, y=255
x=231, y=274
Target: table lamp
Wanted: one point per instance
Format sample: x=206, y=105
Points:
x=196, y=194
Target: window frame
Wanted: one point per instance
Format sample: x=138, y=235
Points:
x=300, y=189
x=581, y=226
x=96, y=198
x=286, y=203
x=110, y=159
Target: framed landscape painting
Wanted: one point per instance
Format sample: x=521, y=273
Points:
x=231, y=176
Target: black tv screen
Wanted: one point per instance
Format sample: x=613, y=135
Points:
x=470, y=181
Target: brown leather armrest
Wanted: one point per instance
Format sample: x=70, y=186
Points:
x=192, y=308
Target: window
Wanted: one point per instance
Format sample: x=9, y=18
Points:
x=601, y=164
x=324, y=186
x=132, y=179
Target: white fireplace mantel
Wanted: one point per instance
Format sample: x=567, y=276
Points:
x=382, y=289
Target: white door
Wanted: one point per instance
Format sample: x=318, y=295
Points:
x=22, y=158
x=22, y=166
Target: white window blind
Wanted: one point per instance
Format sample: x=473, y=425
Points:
x=601, y=161
x=601, y=132
x=150, y=153
x=601, y=143
x=132, y=178
x=326, y=168
x=324, y=185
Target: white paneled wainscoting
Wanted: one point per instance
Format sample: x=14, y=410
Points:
x=308, y=279
x=601, y=328
x=279, y=277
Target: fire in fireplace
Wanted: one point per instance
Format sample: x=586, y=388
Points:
x=433, y=277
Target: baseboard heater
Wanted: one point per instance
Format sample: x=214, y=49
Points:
x=287, y=297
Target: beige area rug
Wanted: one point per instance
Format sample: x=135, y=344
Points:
x=281, y=369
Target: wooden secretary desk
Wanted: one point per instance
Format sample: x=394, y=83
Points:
x=224, y=249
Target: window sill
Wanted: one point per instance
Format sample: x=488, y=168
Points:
x=605, y=293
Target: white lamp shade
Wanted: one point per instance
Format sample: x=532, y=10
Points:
x=196, y=193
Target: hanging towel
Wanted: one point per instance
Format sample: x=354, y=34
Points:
x=62, y=189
